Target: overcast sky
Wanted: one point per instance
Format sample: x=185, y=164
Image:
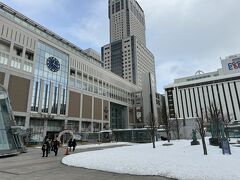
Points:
x=184, y=35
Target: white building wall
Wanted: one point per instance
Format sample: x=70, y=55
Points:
x=235, y=101
x=228, y=100
x=207, y=100
x=202, y=100
x=175, y=102
x=180, y=104
x=222, y=100
x=193, y=102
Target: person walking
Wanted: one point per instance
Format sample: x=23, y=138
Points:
x=45, y=148
x=70, y=145
x=74, y=144
x=55, y=146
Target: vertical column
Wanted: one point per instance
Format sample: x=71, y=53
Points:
x=81, y=106
x=11, y=52
x=92, y=114
x=80, y=126
x=44, y=126
x=102, y=115
x=27, y=121
x=41, y=95
x=23, y=57
x=30, y=96
x=127, y=122
x=50, y=98
x=66, y=123
x=67, y=101
x=59, y=99
x=109, y=114
x=6, y=80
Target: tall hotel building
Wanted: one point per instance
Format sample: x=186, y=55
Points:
x=127, y=54
x=54, y=85
x=191, y=97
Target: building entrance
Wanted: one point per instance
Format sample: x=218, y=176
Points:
x=118, y=116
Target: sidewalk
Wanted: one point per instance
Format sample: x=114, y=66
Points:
x=31, y=166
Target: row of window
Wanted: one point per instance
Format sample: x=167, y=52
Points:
x=16, y=63
x=50, y=92
x=196, y=101
x=86, y=86
x=38, y=30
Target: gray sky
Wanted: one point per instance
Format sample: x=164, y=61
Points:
x=184, y=35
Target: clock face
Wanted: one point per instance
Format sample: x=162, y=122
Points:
x=53, y=64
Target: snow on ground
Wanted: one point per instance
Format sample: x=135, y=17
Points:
x=181, y=161
x=88, y=146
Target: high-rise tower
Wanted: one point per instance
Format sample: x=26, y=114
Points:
x=126, y=19
x=127, y=54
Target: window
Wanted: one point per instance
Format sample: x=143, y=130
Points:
x=17, y=50
x=117, y=6
x=79, y=74
x=72, y=72
x=4, y=58
x=16, y=63
x=27, y=67
x=29, y=55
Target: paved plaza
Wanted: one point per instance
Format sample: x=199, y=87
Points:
x=32, y=166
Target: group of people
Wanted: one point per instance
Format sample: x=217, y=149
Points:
x=49, y=146
x=72, y=144
x=53, y=145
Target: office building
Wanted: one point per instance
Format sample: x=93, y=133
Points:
x=127, y=55
x=191, y=97
x=126, y=19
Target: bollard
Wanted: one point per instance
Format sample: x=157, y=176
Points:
x=66, y=151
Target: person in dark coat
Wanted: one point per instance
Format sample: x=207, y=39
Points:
x=70, y=144
x=45, y=148
x=55, y=146
x=74, y=144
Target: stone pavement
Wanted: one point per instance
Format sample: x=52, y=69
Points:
x=32, y=166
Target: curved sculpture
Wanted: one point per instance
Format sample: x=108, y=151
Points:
x=10, y=142
x=64, y=132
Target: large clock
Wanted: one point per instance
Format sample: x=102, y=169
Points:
x=53, y=64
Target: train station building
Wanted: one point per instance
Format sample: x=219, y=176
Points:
x=54, y=85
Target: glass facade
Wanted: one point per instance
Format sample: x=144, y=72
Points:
x=118, y=116
x=7, y=141
x=50, y=87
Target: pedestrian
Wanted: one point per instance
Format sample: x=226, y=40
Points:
x=74, y=144
x=45, y=148
x=70, y=144
x=56, y=146
x=51, y=144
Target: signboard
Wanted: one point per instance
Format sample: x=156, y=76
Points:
x=231, y=65
x=235, y=64
x=225, y=146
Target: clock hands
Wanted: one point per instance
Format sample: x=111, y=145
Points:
x=53, y=64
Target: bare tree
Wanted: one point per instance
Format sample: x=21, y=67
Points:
x=217, y=121
x=152, y=127
x=201, y=129
x=175, y=126
x=164, y=120
x=215, y=118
